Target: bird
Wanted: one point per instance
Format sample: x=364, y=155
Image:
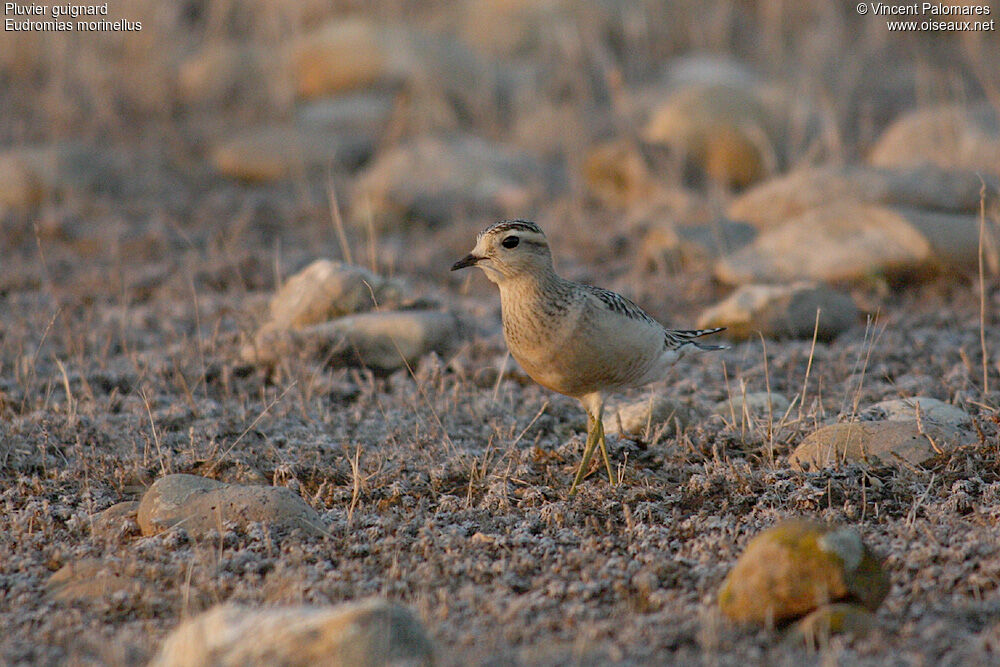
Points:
x=575, y=339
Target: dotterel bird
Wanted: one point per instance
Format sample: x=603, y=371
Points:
x=575, y=339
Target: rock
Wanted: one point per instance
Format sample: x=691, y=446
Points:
x=883, y=442
x=340, y=56
x=684, y=245
x=432, y=179
x=816, y=629
x=344, y=55
x=90, y=580
x=527, y=24
x=724, y=130
x=922, y=408
x=314, y=315
x=946, y=136
x=754, y=404
x=26, y=175
x=778, y=200
x=326, y=290
x=953, y=239
x=780, y=311
x=199, y=504
x=552, y=131
x=223, y=72
x=643, y=417
x=616, y=173
x=366, y=634
x=228, y=471
x=853, y=242
x=795, y=567
x=366, y=112
x=282, y=151
x=710, y=69
x=31, y=174
x=119, y=519
x=348, y=54
x=383, y=341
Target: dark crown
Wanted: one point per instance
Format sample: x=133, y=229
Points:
x=512, y=225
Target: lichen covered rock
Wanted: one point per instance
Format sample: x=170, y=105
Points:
x=795, y=567
x=366, y=634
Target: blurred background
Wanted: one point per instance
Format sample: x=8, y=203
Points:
x=669, y=141
x=787, y=167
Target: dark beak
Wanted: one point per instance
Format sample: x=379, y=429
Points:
x=468, y=260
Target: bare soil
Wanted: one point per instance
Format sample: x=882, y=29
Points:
x=122, y=314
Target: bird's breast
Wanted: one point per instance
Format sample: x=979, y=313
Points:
x=540, y=335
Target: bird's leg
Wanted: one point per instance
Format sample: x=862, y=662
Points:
x=588, y=450
x=604, y=451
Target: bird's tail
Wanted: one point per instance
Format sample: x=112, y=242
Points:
x=680, y=337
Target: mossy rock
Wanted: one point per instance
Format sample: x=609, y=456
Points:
x=886, y=442
x=841, y=618
x=797, y=566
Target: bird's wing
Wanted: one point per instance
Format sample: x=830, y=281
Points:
x=676, y=338
x=672, y=338
x=618, y=304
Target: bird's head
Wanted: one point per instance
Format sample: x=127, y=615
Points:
x=509, y=249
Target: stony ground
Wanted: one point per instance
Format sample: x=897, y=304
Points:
x=458, y=504
x=122, y=318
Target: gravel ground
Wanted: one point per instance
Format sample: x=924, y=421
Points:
x=123, y=311
x=458, y=505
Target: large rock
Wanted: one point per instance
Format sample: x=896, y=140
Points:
x=199, y=504
x=616, y=173
x=515, y=28
x=778, y=200
x=340, y=56
x=383, y=341
x=27, y=175
x=365, y=112
x=338, y=132
x=853, y=242
x=643, y=417
x=117, y=520
x=553, y=131
x=221, y=72
x=708, y=69
x=797, y=566
x=724, y=130
x=947, y=136
x=433, y=179
x=816, y=629
x=881, y=442
x=754, y=404
x=366, y=634
x=282, y=151
x=326, y=290
x=32, y=174
x=677, y=246
x=346, y=54
x=319, y=314
x=92, y=579
x=922, y=408
x=779, y=311
x=953, y=239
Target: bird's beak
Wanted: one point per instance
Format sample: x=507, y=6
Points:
x=468, y=260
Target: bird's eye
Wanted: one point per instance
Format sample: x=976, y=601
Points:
x=510, y=242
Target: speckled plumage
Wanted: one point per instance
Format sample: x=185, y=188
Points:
x=575, y=339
